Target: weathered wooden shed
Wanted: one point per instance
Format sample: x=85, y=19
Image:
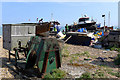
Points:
x=13, y=33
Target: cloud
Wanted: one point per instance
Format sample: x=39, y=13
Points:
x=59, y=0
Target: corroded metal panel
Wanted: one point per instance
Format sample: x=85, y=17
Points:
x=41, y=29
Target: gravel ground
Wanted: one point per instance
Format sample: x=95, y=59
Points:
x=79, y=65
x=4, y=71
x=77, y=68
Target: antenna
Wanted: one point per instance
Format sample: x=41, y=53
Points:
x=51, y=16
x=92, y=18
x=82, y=15
x=109, y=19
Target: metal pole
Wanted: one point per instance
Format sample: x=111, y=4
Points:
x=104, y=23
x=51, y=16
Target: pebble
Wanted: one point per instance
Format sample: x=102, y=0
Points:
x=104, y=51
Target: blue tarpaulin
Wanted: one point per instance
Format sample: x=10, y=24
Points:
x=58, y=28
x=98, y=25
x=82, y=30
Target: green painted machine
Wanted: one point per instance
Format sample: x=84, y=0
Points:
x=43, y=52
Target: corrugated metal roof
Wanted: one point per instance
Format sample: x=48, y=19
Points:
x=25, y=24
x=21, y=24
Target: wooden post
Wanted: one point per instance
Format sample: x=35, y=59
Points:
x=57, y=57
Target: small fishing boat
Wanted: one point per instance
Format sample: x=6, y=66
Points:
x=85, y=22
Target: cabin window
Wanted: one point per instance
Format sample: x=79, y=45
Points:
x=84, y=19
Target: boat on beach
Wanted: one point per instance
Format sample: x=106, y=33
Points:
x=85, y=22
